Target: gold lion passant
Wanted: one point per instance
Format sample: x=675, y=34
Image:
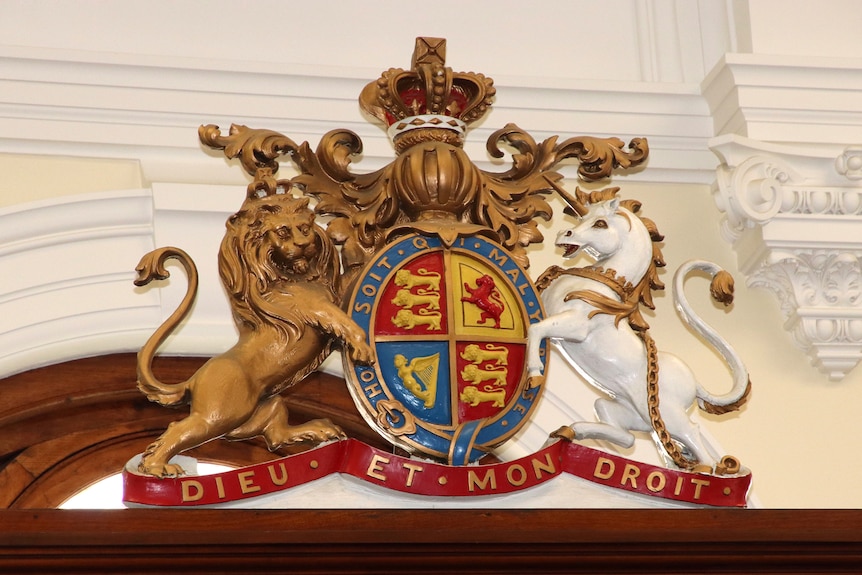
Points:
x=280, y=271
x=499, y=354
x=408, y=320
x=473, y=396
x=473, y=374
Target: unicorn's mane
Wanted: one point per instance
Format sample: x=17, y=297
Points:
x=643, y=291
x=650, y=280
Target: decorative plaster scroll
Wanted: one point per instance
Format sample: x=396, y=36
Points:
x=66, y=291
x=795, y=221
x=59, y=301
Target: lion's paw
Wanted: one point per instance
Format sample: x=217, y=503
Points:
x=316, y=431
x=361, y=352
x=161, y=470
x=535, y=381
x=328, y=431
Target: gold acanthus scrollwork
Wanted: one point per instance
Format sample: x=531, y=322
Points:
x=365, y=206
x=598, y=157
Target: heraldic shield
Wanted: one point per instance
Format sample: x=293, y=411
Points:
x=449, y=329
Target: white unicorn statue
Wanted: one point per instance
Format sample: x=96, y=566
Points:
x=647, y=391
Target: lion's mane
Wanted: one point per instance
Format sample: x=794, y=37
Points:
x=250, y=274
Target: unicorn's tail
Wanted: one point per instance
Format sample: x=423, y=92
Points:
x=721, y=289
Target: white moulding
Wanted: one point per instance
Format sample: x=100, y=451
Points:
x=57, y=103
x=776, y=98
x=794, y=218
x=69, y=264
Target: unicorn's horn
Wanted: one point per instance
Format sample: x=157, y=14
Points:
x=575, y=206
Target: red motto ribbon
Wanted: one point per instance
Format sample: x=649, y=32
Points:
x=421, y=477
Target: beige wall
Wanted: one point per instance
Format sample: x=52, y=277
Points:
x=29, y=178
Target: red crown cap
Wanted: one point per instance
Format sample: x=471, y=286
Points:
x=430, y=101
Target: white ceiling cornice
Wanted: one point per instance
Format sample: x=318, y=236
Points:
x=787, y=99
x=148, y=109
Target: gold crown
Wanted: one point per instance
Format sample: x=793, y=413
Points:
x=430, y=101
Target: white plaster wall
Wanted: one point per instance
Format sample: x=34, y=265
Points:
x=574, y=36
x=806, y=29
x=100, y=101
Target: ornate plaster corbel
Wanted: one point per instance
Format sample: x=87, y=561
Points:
x=794, y=218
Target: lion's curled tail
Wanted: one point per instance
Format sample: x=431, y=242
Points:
x=152, y=267
x=721, y=289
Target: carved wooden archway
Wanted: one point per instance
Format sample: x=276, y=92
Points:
x=66, y=426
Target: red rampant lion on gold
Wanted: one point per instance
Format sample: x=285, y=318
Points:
x=487, y=298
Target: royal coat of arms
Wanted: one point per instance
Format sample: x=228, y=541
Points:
x=449, y=329
x=417, y=272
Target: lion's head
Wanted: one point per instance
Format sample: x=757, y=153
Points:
x=269, y=243
x=485, y=280
x=469, y=394
x=404, y=318
x=403, y=297
x=472, y=352
x=469, y=372
x=403, y=277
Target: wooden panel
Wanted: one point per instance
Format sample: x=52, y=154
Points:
x=431, y=541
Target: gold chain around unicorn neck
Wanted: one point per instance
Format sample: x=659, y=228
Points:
x=608, y=277
x=628, y=305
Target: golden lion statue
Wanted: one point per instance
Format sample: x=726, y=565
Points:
x=281, y=273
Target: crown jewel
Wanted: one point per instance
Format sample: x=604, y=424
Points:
x=429, y=101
